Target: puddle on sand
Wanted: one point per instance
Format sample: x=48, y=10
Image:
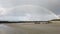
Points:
x=4, y=29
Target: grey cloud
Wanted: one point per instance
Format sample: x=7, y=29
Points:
x=16, y=9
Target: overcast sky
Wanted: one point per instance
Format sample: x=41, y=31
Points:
x=51, y=4
x=20, y=7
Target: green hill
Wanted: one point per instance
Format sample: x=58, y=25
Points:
x=55, y=20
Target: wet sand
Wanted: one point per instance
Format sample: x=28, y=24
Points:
x=30, y=28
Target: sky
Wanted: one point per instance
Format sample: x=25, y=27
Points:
x=24, y=7
x=53, y=5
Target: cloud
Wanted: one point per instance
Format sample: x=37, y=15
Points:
x=27, y=9
x=28, y=12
